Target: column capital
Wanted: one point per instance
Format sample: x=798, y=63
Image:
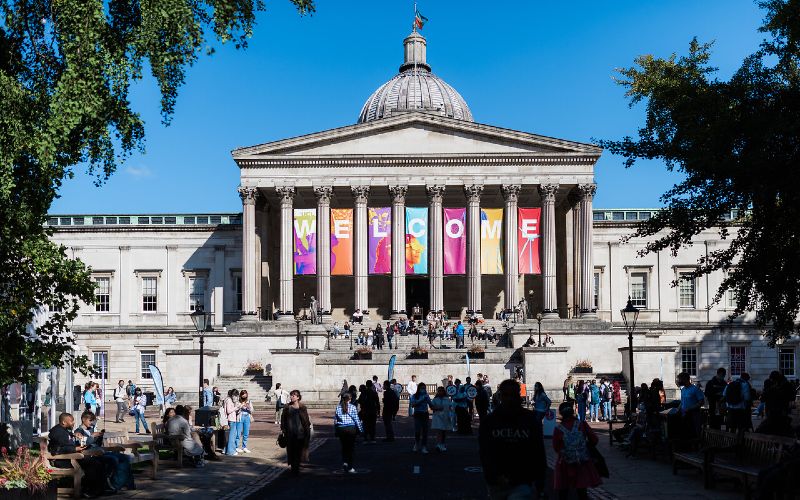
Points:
x=286, y=194
x=473, y=192
x=435, y=193
x=548, y=192
x=587, y=190
x=360, y=193
x=124, y=248
x=323, y=194
x=511, y=192
x=248, y=194
x=398, y=193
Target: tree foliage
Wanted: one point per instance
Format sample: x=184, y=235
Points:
x=737, y=144
x=66, y=67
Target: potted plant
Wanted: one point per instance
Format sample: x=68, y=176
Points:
x=418, y=353
x=25, y=476
x=254, y=368
x=476, y=352
x=583, y=366
x=362, y=353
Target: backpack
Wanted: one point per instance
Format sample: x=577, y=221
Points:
x=575, y=450
x=606, y=392
x=733, y=393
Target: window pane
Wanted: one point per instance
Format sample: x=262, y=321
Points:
x=596, y=292
x=100, y=360
x=197, y=293
x=638, y=289
x=148, y=358
x=738, y=360
x=102, y=294
x=786, y=361
x=686, y=290
x=238, y=280
x=149, y=294
x=689, y=360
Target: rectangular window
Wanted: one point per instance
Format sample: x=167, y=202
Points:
x=149, y=294
x=638, y=289
x=147, y=358
x=689, y=360
x=238, y=284
x=197, y=293
x=102, y=294
x=100, y=361
x=596, y=290
x=686, y=290
x=738, y=360
x=786, y=361
x=56, y=308
x=730, y=299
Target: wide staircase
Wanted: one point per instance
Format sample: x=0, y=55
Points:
x=257, y=386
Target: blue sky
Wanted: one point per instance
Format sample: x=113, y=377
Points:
x=543, y=67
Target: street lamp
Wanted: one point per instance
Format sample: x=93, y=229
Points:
x=539, y=320
x=202, y=323
x=298, y=333
x=629, y=316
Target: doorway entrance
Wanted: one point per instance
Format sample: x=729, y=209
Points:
x=418, y=294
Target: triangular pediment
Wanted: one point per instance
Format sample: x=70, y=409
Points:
x=415, y=133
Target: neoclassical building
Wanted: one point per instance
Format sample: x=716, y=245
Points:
x=414, y=206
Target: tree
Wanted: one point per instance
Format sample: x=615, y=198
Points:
x=66, y=67
x=737, y=144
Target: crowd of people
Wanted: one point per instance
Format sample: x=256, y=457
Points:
x=599, y=401
x=436, y=328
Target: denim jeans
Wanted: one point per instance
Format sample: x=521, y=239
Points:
x=593, y=410
x=421, y=423
x=607, y=410
x=140, y=417
x=581, y=410
x=245, y=429
x=233, y=436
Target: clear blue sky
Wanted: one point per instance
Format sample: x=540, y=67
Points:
x=544, y=67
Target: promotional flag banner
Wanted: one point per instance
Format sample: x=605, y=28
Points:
x=380, y=240
x=416, y=240
x=491, y=241
x=528, y=240
x=305, y=241
x=455, y=241
x=341, y=241
x=158, y=383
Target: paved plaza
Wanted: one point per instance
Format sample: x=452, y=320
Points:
x=392, y=470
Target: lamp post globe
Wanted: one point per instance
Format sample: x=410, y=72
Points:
x=202, y=323
x=629, y=316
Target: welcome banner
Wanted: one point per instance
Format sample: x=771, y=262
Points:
x=455, y=241
x=416, y=240
x=341, y=241
x=305, y=241
x=491, y=239
x=380, y=240
x=528, y=240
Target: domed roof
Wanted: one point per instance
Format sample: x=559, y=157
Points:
x=415, y=88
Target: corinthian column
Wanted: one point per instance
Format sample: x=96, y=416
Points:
x=473, y=193
x=361, y=195
x=249, y=260
x=587, y=238
x=398, y=251
x=548, y=223
x=436, y=246
x=511, y=197
x=323, y=194
x=286, y=311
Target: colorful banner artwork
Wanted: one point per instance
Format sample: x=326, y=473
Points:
x=528, y=240
x=455, y=241
x=305, y=241
x=491, y=241
x=341, y=241
x=380, y=240
x=416, y=240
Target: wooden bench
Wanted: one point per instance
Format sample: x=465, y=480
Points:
x=133, y=449
x=711, y=440
x=75, y=472
x=162, y=442
x=744, y=462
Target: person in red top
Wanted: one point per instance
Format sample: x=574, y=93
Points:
x=574, y=467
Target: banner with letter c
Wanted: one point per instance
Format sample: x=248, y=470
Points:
x=341, y=241
x=528, y=236
x=455, y=241
x=416, y=240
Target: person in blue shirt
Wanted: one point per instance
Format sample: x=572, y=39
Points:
x=347, y=426
x=208, y=394
x=463, y=424
x=692, y=399
x=89, y=399
x=459, y=335
x=594, y=403
x=419, y=403
x=739, y=401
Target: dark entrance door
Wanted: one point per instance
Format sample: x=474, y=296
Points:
x=418, y=294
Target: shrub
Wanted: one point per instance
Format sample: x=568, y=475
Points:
x=23, y=470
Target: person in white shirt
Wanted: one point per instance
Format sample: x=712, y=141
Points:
x=121, y=397
x=411, y=387
x=281, y=399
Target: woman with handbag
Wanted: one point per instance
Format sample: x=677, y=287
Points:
x=541, y=402
x=347, y=425
x=296, y=429
x=247, y=419
x=575, y=443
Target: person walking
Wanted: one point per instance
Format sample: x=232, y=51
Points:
x=247, y=419
x=714, y=390
x=481, y=400
x=574, y=468
x=459, y=335
x=139, y=406
x=296, y=426
x=347, y=425
x=232, y=409
x=442, y=421
x=121, y=398
x=369, y=406
x=281, y=398
x=594, y=400
x=565, y=388
x=606, y=394
x=511, y=447
x=419, y=403
x=541, y=402
x=580, y=399
x=391, y=405
x=616, y=397
x=411, y=388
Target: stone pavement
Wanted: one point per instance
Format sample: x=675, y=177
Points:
x=392, y=470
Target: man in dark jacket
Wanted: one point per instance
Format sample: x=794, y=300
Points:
x=512, y=447
x=368, y=409
x=481, y=401
x=714, y=390
x=61, y=441
x=391, y=404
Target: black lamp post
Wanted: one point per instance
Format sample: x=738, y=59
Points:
x=297, y=321
x=629, y=316
x=202, y=322
x=539, y=320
